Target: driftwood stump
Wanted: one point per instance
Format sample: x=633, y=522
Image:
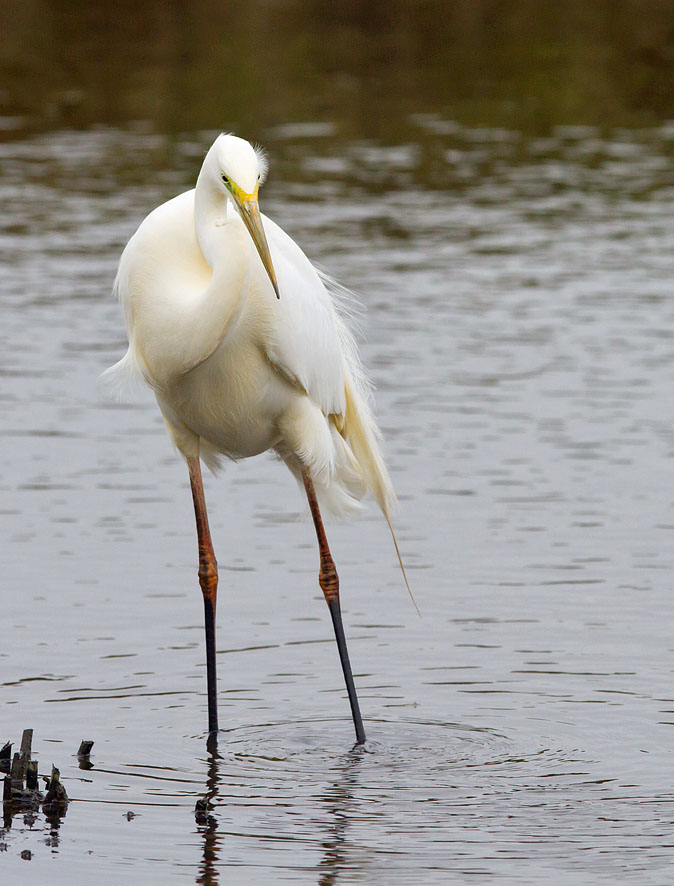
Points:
x=21, y=792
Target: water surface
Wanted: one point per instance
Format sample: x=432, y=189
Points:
x=520, y=332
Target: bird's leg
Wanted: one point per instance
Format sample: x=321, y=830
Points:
x=208, y=579
x=329, y=582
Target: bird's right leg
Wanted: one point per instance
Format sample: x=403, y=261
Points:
x=208, y=579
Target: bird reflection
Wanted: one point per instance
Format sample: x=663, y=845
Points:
x=207, y=824
x=340, y=802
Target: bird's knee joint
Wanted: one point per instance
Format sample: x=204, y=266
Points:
x=329, y=581
x=208, y=575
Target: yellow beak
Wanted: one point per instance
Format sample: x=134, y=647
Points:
x=250, y=214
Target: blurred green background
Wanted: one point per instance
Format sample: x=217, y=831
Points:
x=362, y=67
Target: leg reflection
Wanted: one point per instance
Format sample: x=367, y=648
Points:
x=340, y=801
x=207, y=824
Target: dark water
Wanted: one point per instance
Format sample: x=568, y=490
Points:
x=520, y=331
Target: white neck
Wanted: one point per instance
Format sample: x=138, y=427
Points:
x=225, y=244
x=210, y=211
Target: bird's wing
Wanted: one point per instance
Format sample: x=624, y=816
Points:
x=304, y=342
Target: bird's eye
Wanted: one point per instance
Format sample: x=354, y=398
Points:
x=225, y=179
x=258, y=176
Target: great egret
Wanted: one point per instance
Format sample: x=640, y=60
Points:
x=236, y=333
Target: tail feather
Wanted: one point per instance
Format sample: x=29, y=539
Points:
x=358, y=426
x=364, y=438
x=402, y=565
x=362, y=433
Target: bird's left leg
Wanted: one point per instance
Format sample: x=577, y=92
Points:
x=208, y=579
x=329, y=582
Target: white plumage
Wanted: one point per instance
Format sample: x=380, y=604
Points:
x=235, y=370
x=238, y=336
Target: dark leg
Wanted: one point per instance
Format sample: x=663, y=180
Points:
x=329, y=582
x=208, y=579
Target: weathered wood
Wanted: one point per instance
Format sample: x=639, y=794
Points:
x=31, y=775
x=20, y=786
x=85, y=748
x=56, y=798
x=26, y=744
x=16, y=774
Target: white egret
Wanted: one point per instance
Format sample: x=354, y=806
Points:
x=236, y=333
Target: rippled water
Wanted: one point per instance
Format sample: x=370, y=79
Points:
x=520, y=330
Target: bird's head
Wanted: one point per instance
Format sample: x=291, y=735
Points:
x=242, y=169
